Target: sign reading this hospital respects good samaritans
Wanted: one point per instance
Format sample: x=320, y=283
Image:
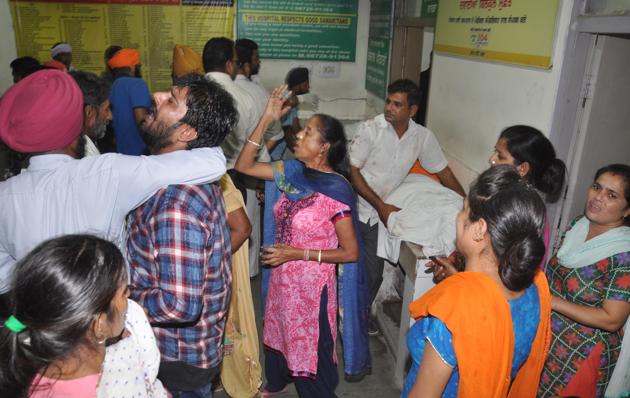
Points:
x=512, y=31
x=320, y=30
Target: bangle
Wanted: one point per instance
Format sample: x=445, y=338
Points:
x=319, y=257
x=253, y=143
x=306, y=254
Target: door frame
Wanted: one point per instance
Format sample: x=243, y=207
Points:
x=573, y=90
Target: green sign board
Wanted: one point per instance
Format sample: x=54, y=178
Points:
x=429, y=8
x=377, y=68
x=320, y=30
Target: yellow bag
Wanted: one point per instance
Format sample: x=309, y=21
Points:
x=240, y=369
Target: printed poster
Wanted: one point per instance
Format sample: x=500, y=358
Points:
x=513, y=31
x=379, y=40
x=318, y=30
x=90, y=26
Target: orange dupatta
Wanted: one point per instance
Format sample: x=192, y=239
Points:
x=475, y=311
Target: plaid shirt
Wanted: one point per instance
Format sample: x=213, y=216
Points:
x=180, y=269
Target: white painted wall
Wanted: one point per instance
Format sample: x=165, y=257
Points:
x=8, y=51
x=471, y=101
x=343, y=96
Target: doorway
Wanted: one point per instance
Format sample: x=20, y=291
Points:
x=591, y=127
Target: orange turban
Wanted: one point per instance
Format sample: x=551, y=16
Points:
x=186, y=61
x=127, y=57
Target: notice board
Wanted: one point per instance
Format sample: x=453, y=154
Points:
x=319, y=30
x=512, y=31
x=90, y=26
x=379, y=40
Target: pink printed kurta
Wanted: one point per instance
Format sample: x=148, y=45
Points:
x=292, y=311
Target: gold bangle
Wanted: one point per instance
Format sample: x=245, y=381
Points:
x=319, y=257
x=254, y=143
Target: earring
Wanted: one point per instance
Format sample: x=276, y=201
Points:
x=101, y=340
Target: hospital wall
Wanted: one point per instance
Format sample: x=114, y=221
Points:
x=342, y=94
x=8, y=51
x=471, y=101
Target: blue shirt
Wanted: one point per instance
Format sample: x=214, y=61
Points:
x=127, y=94
x=525, y=312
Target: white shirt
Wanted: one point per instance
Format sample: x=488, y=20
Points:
x=261, y=96
x=131, y=365
x=427, y=217
x=248, y=116
x=90, y=147
x=58, y=195
x=385, y=159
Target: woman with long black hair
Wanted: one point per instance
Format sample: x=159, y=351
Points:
x=313, y=229
x=68, y=303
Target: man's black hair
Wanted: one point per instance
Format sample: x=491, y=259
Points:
x=216, y=53
x=211, y=110
x=95, y=90
x=408, y=87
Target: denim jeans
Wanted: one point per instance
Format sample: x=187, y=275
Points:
x=203, y=392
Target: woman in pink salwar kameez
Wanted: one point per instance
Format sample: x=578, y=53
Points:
x=314, y=232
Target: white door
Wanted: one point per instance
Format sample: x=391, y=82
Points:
x=603, y=135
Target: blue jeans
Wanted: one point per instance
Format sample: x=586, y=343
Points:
x=203, y=392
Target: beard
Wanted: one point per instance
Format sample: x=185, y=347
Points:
x=157, y=135
x=100, y=128
x=80, y=150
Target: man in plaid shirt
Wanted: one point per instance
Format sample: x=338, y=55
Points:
x=179, y=242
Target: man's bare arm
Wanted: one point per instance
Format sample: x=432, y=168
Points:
x=363, y=189
x=450, y=181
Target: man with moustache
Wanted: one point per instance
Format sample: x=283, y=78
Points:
x=248, y=65
x=178, y=248
x=381, y=153
x=220, y=63
x=97, y=111
x=58, y=193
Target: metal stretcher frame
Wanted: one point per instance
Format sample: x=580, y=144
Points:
x=396, y=338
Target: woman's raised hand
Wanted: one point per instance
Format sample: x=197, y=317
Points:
x=277, y=105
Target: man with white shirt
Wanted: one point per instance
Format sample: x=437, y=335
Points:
x=381, y=153
x=221, y=65
x=248, y=64
x=59, y=194
x=97, y=112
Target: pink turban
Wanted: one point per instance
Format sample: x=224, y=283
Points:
x=41, y=112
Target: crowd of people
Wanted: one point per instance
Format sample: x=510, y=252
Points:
x=131, y=223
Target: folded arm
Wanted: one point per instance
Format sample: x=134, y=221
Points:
x=611, y=316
